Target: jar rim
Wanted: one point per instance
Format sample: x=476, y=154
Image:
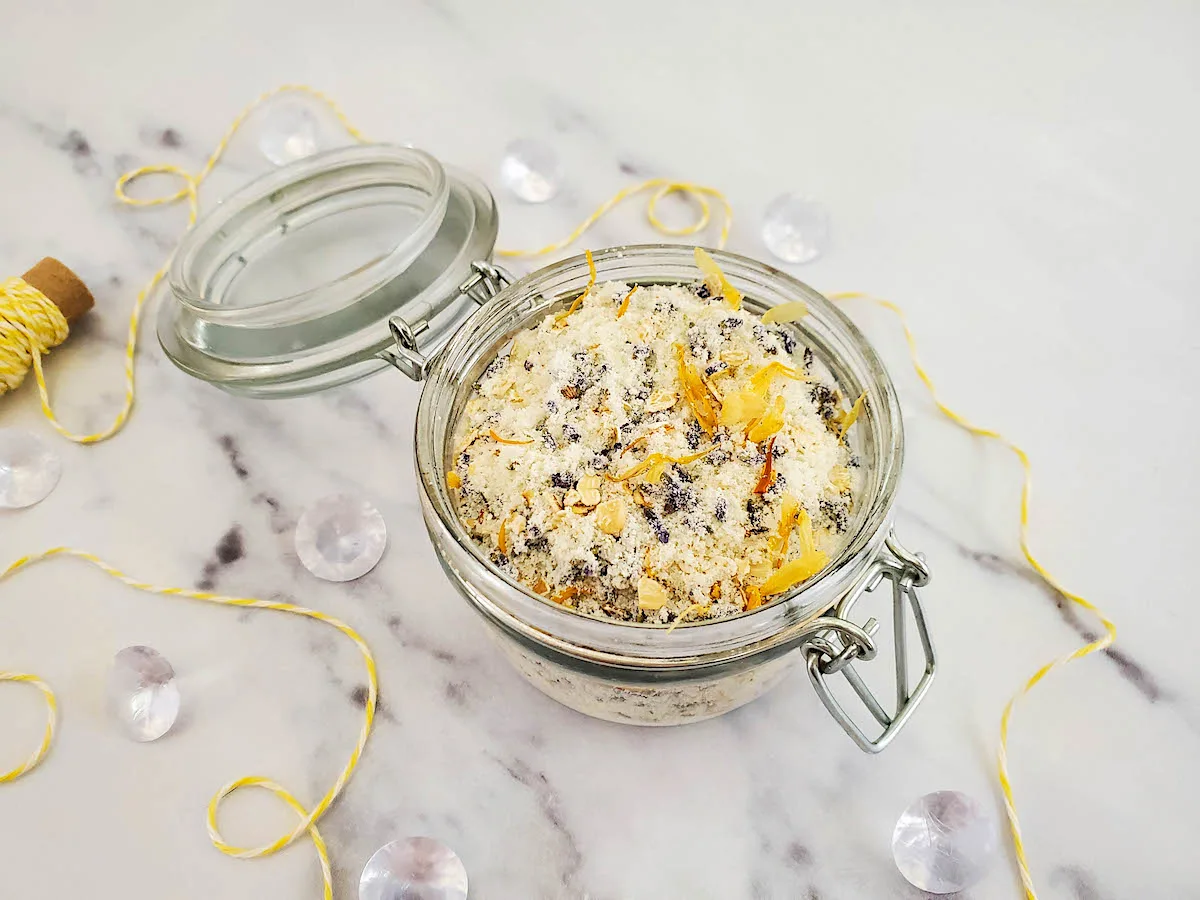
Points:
x=404, y=231
x=507, y=601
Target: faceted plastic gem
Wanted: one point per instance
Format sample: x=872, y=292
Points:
x=531, y=170
x=142, y=693
x=29, y=470
x=340, y=538
x=417, y=868
x=944, y=842
x=795, y=228
x=288, y=132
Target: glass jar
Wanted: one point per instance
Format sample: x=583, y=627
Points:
x=431, y=304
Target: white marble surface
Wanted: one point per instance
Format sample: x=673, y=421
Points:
x=1022, y=179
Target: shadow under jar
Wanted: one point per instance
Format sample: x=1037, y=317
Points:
x=423, y=296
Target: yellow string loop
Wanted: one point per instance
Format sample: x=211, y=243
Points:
x=39, y=754
x=1110, y=628
x=307, y=819
x=662, y=187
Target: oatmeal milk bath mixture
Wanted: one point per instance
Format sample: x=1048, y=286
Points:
x=656, y=453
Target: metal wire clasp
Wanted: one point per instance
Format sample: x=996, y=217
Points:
x=837, y=643
x=421, y=333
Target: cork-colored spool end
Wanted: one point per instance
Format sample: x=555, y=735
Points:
x=62, y=286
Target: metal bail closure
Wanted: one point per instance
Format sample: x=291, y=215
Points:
x=838, y=643
x=420, y=334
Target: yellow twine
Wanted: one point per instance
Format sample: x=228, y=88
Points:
x=663, y=186
x=307, y=819
x=1110, y=628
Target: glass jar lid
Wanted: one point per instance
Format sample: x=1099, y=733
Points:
x=306, y=277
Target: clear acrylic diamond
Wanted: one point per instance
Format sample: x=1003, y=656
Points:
x=340, y=538
x=417, y=868
x=142, y=693
x=531, y=170
x=29, y=470
x=944, y=842
x=795, y=228
x=287, y=132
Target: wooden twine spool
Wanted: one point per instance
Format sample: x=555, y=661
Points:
x=36, y=313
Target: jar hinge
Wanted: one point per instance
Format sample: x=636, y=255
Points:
x=836, y=643
x=421, y=333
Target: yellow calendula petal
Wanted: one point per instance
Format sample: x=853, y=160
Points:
x=502, y=538
x=741, y=406
x=767, y=424
x=453, y=480
x=761, y=380
x=659, y=461
x=807, y=541
x=852, y=416
x=625, y=303
x=768, y=474
x=788, y=510
x=795, y=571
x=753, y=597
x=716, y=280
x=704, y=405
x=512, y=441
x=786, y=312
x=563, y=316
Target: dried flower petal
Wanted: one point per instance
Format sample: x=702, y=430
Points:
x=839, y=479
x=562, y=317
x=761, y=380
x=512, y=441
x=795, y=571
x=453, y=480
x=651, y=595
x=769, y=423
x=699, y=609
x=741, y=406
x=786, y=312
x=852, y=416
x=610, y=516
x=565, y=594
x=625, y=303
x=660, y=461
x=753, y=597
x=716, y=280
x=768, y=475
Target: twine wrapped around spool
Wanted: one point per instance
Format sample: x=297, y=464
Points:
x=36, y=314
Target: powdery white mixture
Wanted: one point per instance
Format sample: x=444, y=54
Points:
x=555, y=426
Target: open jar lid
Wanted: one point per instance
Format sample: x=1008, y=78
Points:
x=316, y=274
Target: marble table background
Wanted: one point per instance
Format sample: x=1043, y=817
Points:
x=1020, y=176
